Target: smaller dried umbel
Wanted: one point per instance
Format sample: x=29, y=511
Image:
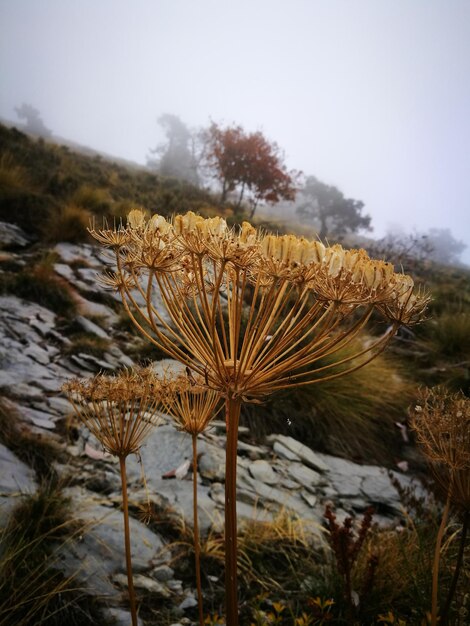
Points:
x=118, y=410
x=189, y=402
x=442, y=423
x=192, y=405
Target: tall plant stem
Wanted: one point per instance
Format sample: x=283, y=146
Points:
x=197, y=546
x=437, y=557
x=458, y=565
x=127, y=540
x=232, y=416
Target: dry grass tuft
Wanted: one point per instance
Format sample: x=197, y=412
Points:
x=32, y=590
x=68, y=223
x=13, y=176
x=351, y=416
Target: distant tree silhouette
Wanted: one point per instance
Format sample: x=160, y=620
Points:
x=250, y=164
x=178, y=155
x=409, y=250
x=34, y=123
x=326, y=207
x=444, y=247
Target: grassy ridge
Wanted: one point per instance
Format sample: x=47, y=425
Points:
x=52, y=192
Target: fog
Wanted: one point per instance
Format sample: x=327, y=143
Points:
x=373, y=97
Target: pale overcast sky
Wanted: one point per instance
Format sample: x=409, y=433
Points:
x=370, y=95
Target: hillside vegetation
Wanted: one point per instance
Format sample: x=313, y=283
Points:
x=53, y=193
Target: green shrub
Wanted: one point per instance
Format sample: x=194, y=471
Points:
x=449, y=334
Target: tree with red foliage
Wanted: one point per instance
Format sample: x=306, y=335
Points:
x=250, y=164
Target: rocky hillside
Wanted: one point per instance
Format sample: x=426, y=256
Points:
x=44, y=341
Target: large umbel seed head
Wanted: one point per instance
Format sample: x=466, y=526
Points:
x=251, y=313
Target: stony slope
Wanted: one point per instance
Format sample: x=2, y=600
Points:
x=39, y=351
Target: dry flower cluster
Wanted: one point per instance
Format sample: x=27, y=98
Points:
x=441, y=421
x=442, y=424
x=251, y=313
x=121, y=410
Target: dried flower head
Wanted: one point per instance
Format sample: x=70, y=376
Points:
x=254, y=313
x=442, y=423
x=118, y=410
x=191, y=405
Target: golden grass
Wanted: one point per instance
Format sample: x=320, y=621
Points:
x=13, y=176
x=68, y=223
x=94, y=199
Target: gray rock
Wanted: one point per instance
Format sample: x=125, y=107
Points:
x=254, y=452
x=163, y=573
x=164, y=450
x=38, y=418
x=220, y=425
x=96, y=309
x=168, y=366
x=284, y=452
x=256, y=492
x=309, y=499
x=12, y=236
x=16, y=479
x=89, y=276
x=65, y=271
x=99, y=363
x=71, y=253
x=84, y=365
x=119, y=617
x=37, y=353
x=305, y=454
x=60, y=405
x=290, y=485
x=178, y=495
x=250, y=512
x=217, y=493
x=144, y=582
x=100, y=551
x=175, y=585
x=90, y=327
x=263, y=471
x=188, y=603
x=18, y=313
x=379, y=488
x=304, y=475
x=211, y=464
x=15, y=476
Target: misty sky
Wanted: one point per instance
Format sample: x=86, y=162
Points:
x=370, y=95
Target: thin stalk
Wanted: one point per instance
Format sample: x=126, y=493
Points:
x=437, y=556
x=127, y=540
x=232, y=416
x=197, y=546
x=458, y=565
